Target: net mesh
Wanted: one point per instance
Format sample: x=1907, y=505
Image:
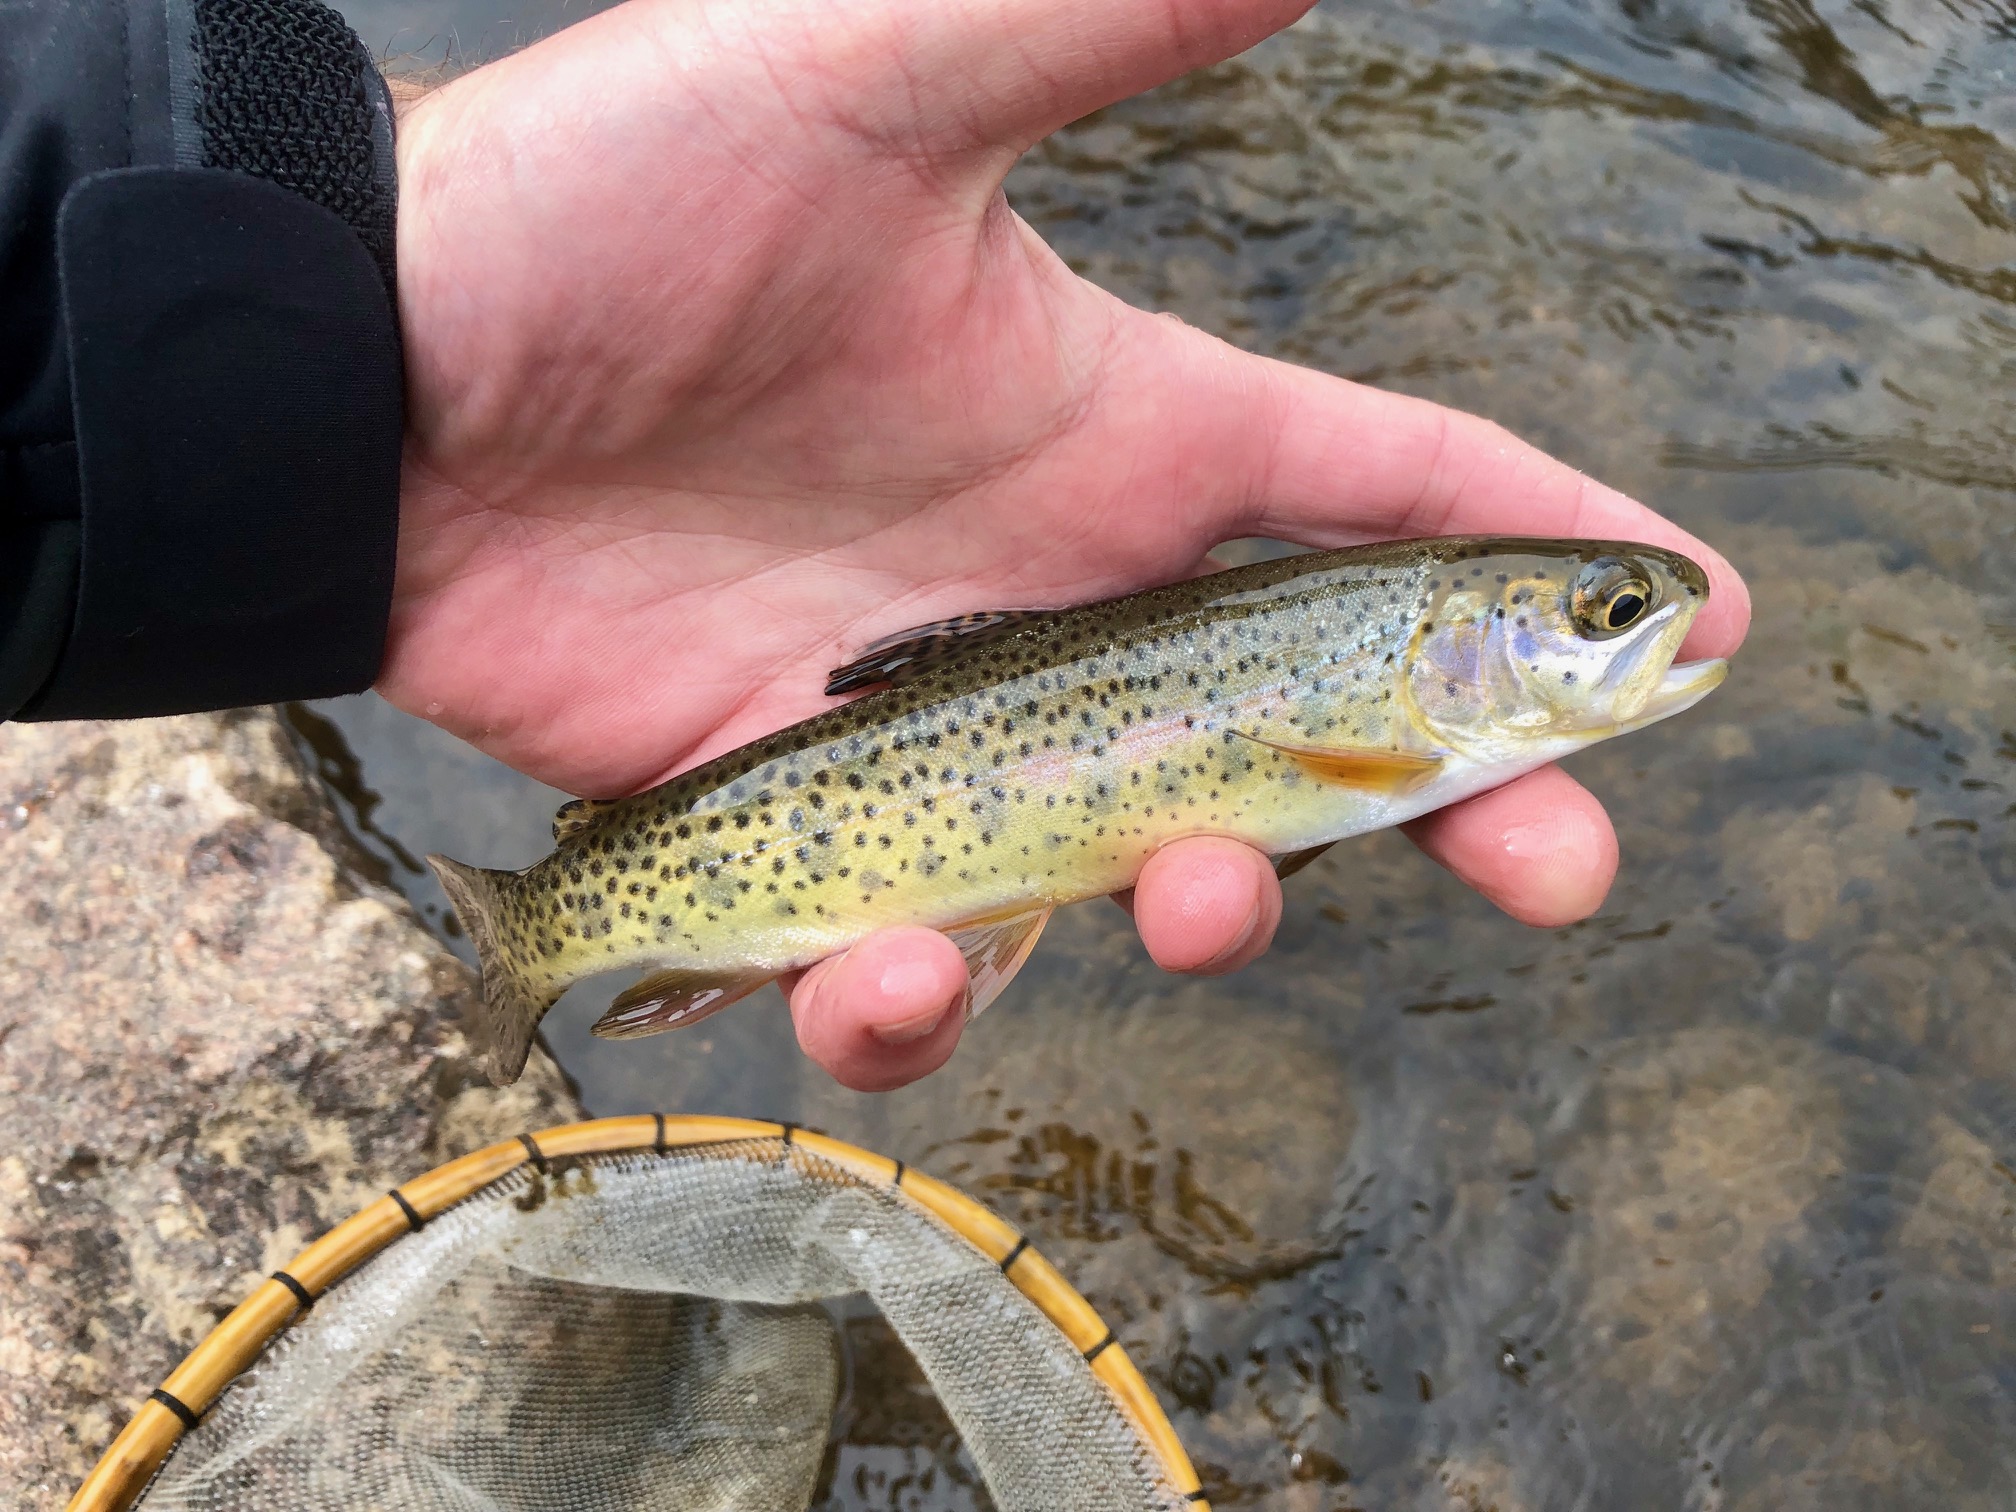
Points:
x=651, y=1331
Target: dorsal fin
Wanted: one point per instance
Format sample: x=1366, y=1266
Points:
x=896, y=659
x=571, y=818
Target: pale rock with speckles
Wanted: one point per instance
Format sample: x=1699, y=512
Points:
x=218, y=1039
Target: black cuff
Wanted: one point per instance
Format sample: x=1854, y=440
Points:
x=199, y=441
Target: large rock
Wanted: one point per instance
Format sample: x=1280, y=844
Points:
x=217, y=1038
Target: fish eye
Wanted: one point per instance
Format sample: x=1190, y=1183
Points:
x=1611, y=596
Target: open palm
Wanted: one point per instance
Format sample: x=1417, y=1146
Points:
x=725, y=355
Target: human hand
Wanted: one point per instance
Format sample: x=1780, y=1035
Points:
x=725, y=356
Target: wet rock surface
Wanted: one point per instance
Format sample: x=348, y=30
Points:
x=218, y=1036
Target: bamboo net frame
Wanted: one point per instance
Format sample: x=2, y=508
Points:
x=176, y=1406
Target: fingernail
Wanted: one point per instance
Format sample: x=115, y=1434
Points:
x=904, y=1031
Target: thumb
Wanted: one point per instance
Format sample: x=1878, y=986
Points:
x=1302, y=456
x=1005, y=73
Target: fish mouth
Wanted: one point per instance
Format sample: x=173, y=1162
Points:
x=1684, y=685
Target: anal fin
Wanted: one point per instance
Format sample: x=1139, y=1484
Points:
x=672, y=1000
x=995, y=950
x=1353, y=767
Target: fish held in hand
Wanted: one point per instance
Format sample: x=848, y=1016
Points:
x=1009, y=762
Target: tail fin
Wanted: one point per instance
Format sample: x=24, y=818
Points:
x=513, y=1003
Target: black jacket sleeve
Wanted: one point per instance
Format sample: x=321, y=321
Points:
x=200, y=385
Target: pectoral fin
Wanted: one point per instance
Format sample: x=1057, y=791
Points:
x=995, y=950
x=672, y=1000
x=1368, y=771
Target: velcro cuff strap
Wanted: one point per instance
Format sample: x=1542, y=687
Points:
x=236, y=378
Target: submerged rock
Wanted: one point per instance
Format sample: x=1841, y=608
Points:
x=218, y=1036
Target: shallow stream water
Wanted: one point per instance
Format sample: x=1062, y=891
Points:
x=1709, y=1202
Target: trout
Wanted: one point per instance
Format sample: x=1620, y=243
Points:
x=1009, y=762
